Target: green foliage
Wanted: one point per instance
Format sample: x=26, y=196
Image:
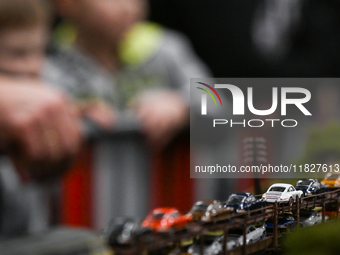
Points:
x=321, y=239
x=323, y=145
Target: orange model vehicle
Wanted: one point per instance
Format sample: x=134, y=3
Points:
x=165, y=219
x=332, y=180
x=331, y=210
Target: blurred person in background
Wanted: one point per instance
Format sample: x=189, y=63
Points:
x=297, y=38
x=27, y=111
x=24, y=36
x=107, y=54
x=39, y=126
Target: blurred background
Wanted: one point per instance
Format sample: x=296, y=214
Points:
x=235, y=39
x=118, y=172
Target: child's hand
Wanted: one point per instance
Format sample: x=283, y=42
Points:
x=40, y=127
x=161, y=114
x=100, y=112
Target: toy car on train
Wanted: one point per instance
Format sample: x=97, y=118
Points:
x=310, y=187
x=281, y=192
x=165, y=219
x=243, y=201
x=206, y=211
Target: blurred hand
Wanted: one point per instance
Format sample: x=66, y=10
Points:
x=98, y=111
x=162, y=114
x=39, y=127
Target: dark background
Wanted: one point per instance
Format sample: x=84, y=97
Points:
x=220, y=33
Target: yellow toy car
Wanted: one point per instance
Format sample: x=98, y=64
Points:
x=332, y=180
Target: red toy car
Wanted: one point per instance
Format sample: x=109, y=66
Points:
x=165, y=219
x=331, y=209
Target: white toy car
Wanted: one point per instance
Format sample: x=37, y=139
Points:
x=234, y=239
x=281, y=192
x=235, y=236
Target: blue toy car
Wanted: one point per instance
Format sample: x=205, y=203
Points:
x=286, y=222
x=242, y=202
x=310, y=187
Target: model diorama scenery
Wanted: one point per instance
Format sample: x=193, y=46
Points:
x=242, y=224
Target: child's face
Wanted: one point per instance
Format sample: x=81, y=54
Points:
x=109, y=18
x=22, y=51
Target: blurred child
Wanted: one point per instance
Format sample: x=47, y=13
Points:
x=23, y=37
x=24, y=33
x=132, y=65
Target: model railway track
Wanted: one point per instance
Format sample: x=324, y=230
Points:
x=158, y=243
